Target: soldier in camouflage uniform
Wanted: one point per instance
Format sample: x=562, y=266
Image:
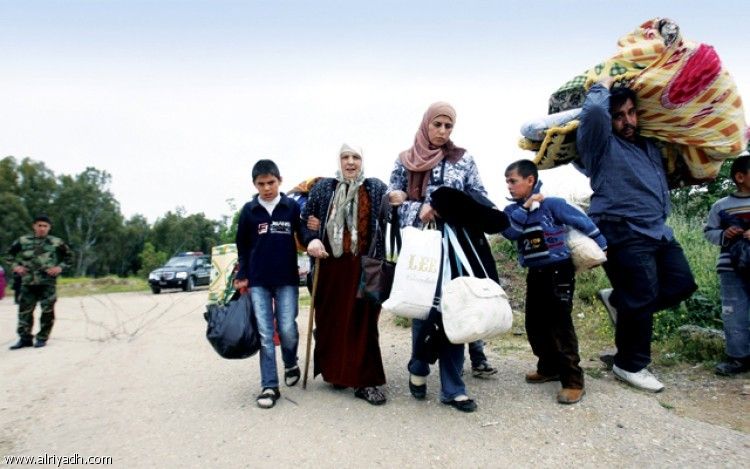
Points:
x=38, y=259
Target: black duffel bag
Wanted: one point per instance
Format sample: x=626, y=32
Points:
x=232, y=329
x=431, y=337
x=739, y=252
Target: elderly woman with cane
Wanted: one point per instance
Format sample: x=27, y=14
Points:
x=342, y=213
x=433, y=161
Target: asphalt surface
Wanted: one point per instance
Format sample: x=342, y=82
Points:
x=131, y=376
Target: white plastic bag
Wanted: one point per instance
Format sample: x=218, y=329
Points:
x=584, y=251
x=416, y=277
x=473, y=308
x=537, y=129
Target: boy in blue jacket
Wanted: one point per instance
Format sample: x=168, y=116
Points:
x=539, y=227
x=267, y=257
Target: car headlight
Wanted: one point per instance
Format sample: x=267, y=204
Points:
x=153, y=276
x=181, y=275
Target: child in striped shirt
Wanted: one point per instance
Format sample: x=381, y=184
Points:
x=729, y=223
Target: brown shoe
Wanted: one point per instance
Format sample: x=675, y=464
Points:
x=570, y=396
x=535, y=378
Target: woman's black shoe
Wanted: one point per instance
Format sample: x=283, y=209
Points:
x=418, y=391
x=467, y=405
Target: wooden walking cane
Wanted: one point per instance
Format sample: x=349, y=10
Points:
x=310, y=320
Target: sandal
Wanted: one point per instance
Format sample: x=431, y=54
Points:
x=484, y=370
x=268, y=397
x=291, y=375
x=465, y=405
x=371, y=394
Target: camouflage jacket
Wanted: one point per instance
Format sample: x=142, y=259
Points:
x=38, y=255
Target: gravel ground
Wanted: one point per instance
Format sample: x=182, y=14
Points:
x=131, y=376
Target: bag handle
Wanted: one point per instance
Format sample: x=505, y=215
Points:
x=445, y=275
x=476, y=254
x=395, y=230
x=457, y=249
x=460, y=252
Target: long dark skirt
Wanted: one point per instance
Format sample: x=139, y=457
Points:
x=347, y=352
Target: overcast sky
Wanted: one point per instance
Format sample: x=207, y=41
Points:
x=178, y=99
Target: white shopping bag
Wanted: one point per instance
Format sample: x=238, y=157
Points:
x=417, y=272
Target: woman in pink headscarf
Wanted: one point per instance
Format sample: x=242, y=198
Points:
x=433, y=161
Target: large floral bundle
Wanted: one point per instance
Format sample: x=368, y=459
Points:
x=687, y=102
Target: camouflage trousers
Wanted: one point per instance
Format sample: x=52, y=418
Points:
x=30, y=295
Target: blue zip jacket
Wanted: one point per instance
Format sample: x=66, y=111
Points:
x=540, y=235
x=266, y=249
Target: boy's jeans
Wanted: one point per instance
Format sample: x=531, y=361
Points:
x=286, y=297
x=735, y=312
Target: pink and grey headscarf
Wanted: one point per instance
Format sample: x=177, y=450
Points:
x=422, y=157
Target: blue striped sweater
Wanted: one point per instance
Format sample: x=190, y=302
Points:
x=731, y=210
x=540, y=235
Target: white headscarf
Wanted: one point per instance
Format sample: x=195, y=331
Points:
x=345, y=205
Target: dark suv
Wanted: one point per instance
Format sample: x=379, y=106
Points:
x=185, y=270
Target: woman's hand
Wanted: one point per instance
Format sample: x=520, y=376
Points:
x=396, y=197
x=238, y=284
x=316, y=249
x=427, y=213
x=313, y=224
x=534, y=198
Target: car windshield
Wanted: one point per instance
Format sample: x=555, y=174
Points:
x=179, y=262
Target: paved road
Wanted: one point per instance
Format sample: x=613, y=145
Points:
x=132, y=377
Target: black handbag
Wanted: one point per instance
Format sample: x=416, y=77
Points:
x=430, y=338
x=739, y=252
x=232, y=329
x=377, y=272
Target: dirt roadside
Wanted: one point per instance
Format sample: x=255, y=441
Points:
x=130, y=376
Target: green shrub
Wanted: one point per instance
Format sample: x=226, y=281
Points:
x=704, y=307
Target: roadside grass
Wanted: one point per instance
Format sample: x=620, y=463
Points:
x=82, y=286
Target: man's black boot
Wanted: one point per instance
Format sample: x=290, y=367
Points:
x=21, y=344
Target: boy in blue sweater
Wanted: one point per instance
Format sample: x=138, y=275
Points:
x=538, y=225
x=267, y=256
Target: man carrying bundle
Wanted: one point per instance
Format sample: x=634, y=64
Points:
x=630, y=203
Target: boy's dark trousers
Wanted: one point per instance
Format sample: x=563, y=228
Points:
x=549, y=325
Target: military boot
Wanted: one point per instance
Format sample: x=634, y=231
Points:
x=22, y=342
